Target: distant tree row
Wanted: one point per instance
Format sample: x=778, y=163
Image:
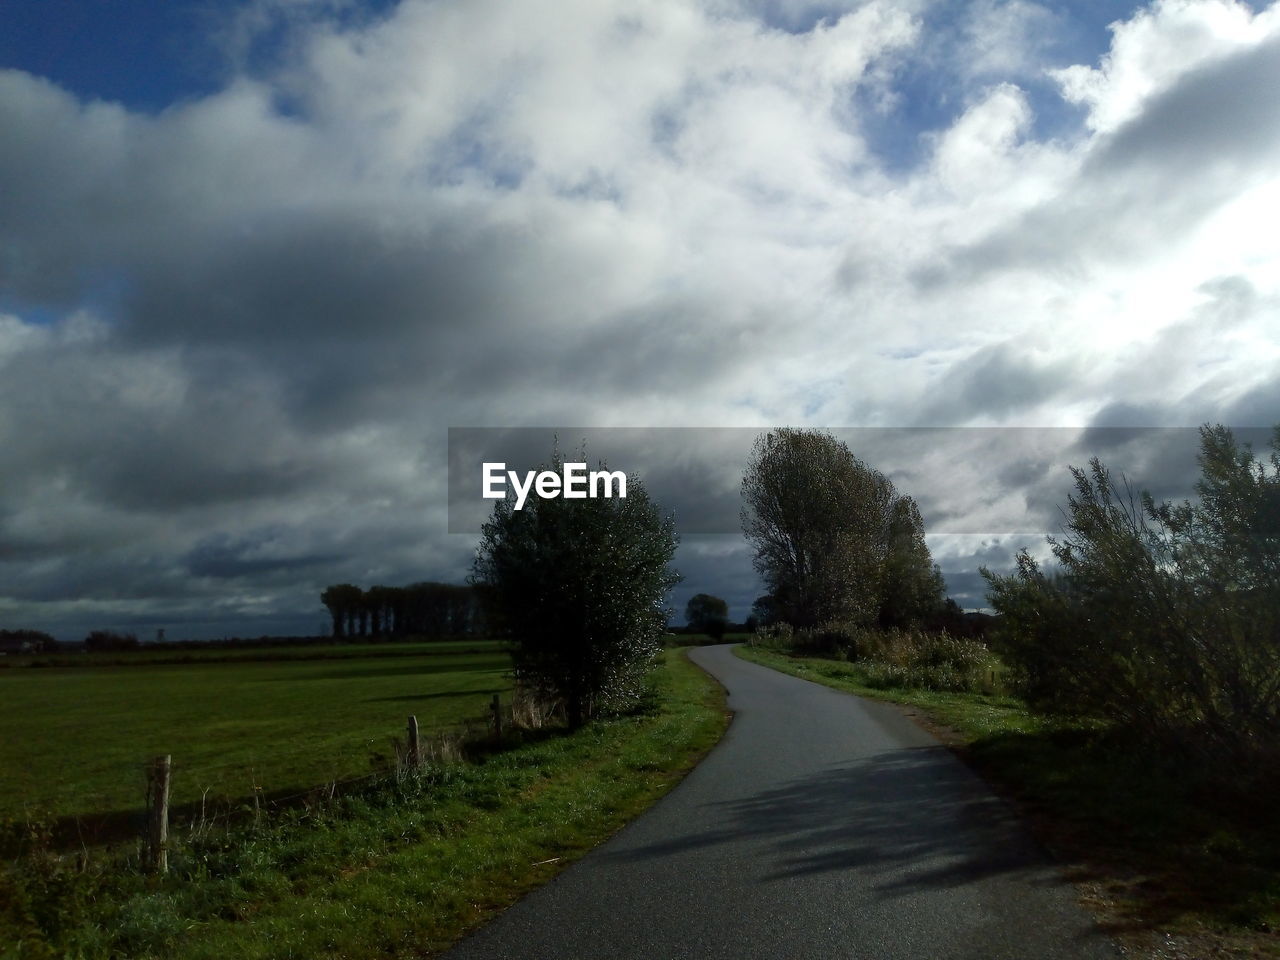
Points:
x=420, y=609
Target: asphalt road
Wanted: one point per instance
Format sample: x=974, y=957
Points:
x=822, y=826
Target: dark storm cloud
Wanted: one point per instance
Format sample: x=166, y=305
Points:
x=1259, y=407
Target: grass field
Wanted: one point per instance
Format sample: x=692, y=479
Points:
x=1158, y=849
x=76, y=739
x=211, y=653
x=398, y=870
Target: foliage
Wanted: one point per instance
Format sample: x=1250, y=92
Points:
x=420, y=609
x=905, y=658
x=764, y=612
x=834, y=540
x=911, y=583
x=1164, y=618
x=579, y=585
x=928, y=660
x=707, y=614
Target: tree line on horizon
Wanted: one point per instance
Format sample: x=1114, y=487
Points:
x=420, y=609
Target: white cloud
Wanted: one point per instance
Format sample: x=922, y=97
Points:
x=1155, y=47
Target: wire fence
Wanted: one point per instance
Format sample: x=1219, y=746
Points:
x=153, y=823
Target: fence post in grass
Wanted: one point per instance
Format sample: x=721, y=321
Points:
x=415, y=748
x=496, y=707
x=158, y=795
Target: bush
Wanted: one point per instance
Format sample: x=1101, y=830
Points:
x=927, y=660
x=1163, y=619
x=893, y=658
x=579, y=586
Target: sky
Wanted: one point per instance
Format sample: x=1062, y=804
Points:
x=257, y=259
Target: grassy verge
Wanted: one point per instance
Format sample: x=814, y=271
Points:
x=400, y=870
x=1168, y=861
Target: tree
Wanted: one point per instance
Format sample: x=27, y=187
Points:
x=834, y=541
x=579, y=586
x=707, y=614
x=764, y=612
x=1163, y=618
x=912, y=588
x=343, y=601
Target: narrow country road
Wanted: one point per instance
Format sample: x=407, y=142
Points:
x=822, y=826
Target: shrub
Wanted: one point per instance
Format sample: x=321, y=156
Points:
x=1164, y=619
x=580, y=587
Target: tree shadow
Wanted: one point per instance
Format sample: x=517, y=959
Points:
x=868, y=815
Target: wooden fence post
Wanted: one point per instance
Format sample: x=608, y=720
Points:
x=415, y=749
x=158, y=794
x=496, y=707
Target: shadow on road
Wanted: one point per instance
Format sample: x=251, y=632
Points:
x=908, y=820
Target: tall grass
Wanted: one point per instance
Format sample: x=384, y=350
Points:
x=896, y=658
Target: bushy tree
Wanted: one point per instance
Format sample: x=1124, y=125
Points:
x=912, y=587
x=707, y=614
x=834, y=540
x=579, y=586
x=764, y=612
x=1162, y=617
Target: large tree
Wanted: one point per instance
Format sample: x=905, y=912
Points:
x=833, y=539
x=579, y=586
x=707, y=614
x=343, y=600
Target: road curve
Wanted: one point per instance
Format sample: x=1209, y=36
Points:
x=822, y=826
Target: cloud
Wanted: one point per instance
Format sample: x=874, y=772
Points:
x=234, y=332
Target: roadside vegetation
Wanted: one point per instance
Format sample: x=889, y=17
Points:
x=398, y=868
x=1127, y=701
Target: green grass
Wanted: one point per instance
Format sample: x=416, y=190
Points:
x=1161, y=846
x=76, y=740
x=397, y=871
